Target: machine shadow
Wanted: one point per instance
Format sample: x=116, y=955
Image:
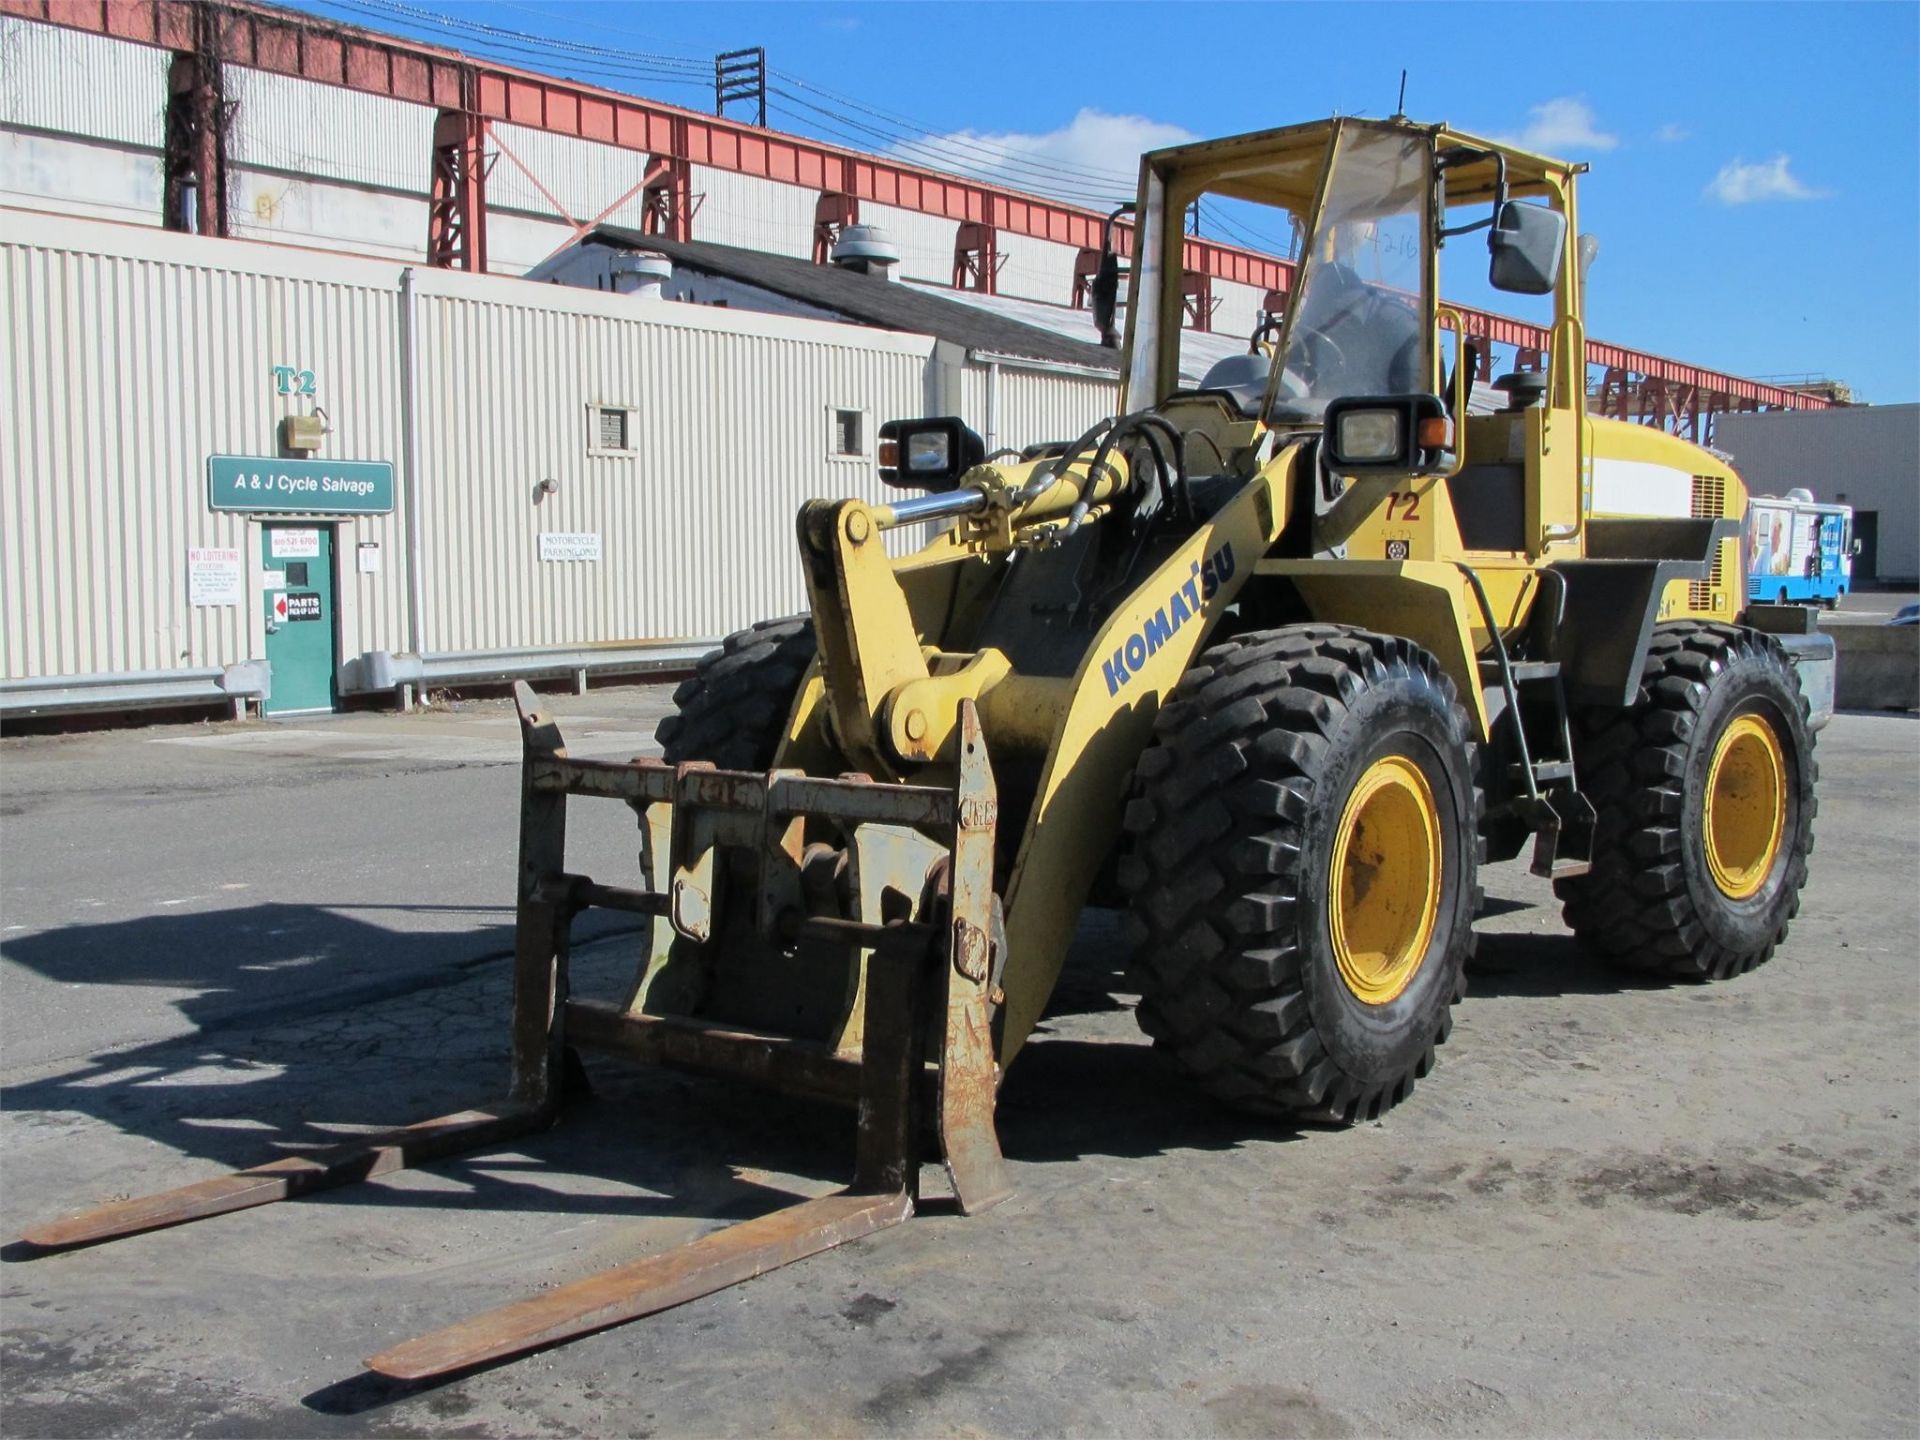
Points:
x=258, y=962
x=1516, y=966
x=282, y=1069
x=277, y=1071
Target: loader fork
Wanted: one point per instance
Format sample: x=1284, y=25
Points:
x=937, y=952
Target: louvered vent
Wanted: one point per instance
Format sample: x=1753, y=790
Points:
x=1709, y=503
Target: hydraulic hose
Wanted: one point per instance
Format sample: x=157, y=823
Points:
x=1044, y=475
x=1154, y=429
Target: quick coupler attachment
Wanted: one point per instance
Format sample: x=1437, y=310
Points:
x=752, y=878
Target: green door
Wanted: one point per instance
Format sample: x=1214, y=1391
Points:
x=299, y=598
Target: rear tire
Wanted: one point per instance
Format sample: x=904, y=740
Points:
x=733, y=710
x=1283, y=759
x=1704, y=788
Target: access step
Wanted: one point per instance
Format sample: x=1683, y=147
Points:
x=1524, y=671
x=1545, y=772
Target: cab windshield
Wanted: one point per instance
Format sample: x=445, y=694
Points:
x=1355, y=325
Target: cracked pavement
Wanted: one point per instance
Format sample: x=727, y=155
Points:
x=1613, y=1207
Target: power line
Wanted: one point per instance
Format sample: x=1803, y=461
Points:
x=914, y=127
x=623, y=61
x=962, y=152
x=1246, y=233
x=903, y=123
x=436, y=17
x=515, y=52
x=941, y=153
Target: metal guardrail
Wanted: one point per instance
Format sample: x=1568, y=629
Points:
x=369, y=674
x=378, y=670
x=136, y=690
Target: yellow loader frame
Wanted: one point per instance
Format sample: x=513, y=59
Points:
x=880, y=919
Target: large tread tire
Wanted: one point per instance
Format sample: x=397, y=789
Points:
x=733, y=710
x=1651, y=903
x=1229, y=832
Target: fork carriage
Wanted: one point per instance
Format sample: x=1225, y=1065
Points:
x=903, y=904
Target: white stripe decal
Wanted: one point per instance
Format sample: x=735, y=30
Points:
x=1640, y=487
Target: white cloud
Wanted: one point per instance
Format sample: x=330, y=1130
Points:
x=1057, y=162
x=1563, y=126
x=1670, y=133
x=1739, y=183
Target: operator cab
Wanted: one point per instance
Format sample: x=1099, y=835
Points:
x=1359, y=351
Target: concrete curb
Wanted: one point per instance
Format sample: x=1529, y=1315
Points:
x=1878, y=665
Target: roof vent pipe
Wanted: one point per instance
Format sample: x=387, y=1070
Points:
x=641, y=273
x=866, y=250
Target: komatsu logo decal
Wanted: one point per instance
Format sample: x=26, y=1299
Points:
x=1182, y=605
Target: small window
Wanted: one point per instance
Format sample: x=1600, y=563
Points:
x=849, y=434
x=610, y=430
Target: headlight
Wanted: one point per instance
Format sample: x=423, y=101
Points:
x=1369, y=435
x=928, y=451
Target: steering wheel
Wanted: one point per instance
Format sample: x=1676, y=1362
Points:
x=1321, y=354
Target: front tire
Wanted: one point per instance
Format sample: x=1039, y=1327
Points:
x=1300, y=858
x=733, y=710
x=1704, y=788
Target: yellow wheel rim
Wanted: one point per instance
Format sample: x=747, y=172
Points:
x=1385, y=880
x=1746, y=813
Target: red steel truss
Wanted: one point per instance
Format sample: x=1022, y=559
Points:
x=471, y=94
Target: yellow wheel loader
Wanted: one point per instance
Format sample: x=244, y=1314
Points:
x=1275, y=662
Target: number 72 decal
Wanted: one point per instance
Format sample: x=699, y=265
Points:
x=1407, y=498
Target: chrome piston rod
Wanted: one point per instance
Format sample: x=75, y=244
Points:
x=931, y=507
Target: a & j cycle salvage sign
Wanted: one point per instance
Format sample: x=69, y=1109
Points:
x=299, y=487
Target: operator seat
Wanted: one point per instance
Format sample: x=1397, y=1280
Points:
x=1242, y=379
x=1523, y=388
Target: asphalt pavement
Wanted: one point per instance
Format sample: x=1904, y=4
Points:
x=207, y=874
x=1615, y=1207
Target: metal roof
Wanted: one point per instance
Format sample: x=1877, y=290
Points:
x=869, y=299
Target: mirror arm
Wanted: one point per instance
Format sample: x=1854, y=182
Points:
x=1467, y=229
x=1106, y=282
x=1460, y=155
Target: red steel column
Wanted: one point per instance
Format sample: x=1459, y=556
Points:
x=832, y=213
x=1196, y=293
x=457, y=206
x=976, y=257
x=667, y=199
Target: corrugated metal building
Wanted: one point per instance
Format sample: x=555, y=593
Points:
x=1866, y=456
x=580, y=479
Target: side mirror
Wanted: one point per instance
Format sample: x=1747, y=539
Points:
x=1106, y=299
x=1855, y=550
x=928, y=454
x=1528, y=244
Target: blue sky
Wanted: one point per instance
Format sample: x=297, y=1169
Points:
x=1756, y=168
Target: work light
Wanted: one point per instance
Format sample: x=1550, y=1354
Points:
x=928, y=454
x=1369, y=435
